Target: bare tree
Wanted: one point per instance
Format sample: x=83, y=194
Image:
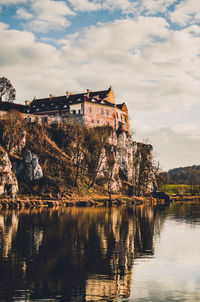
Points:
x=12, y=130
x=7, y=91
x=96, y=140
x=108, y=169
x=70, y=138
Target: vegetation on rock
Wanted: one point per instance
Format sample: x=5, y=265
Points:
x=74, y=158
x=7, y=91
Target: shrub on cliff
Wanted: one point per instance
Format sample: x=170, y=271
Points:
x=12, y=127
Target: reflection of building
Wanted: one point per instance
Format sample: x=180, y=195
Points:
x=98, y=288
x=101, y=287
x=80, y=254
x=91, y=109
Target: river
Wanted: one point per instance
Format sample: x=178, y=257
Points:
x=139, y=253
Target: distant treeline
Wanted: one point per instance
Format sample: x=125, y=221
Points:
x=189, y=176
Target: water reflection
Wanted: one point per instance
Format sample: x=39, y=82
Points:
x=75, y=254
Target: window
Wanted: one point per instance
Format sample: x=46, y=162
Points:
x=74, y=111
x=101, y=111
x=92, y=121
x=108, y=123
x=65, y=106
x=90, y=110
x=107, y=112
x=98, y=122
x=79, y=111
x=37, y=109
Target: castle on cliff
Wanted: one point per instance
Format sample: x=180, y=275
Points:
x=91, y=109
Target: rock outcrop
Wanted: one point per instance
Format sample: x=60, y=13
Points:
x=8, y=180
x=133, y=165
x=29, y=168
x=131, y=171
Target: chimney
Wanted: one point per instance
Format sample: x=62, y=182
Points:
x=68, y=94
x=27, y=103
x=51, y=96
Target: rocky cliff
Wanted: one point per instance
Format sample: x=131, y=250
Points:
x=8, y=180
x=29, y=168
x=133, y=166
x=10, y=170
x=64, y=153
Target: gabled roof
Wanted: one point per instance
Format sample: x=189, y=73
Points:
x=102, y=94
x=122, y=107
x=63, y=102
x=7, y=106
x=72, y=98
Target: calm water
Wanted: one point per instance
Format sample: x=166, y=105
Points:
x=86, y=254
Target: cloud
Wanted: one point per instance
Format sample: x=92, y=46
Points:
x=10, y=2
x=176, y=146
x=186, y=13
x=150, y=67
x=22, y=13
x=46, y=15
x=147, y=7
x=155, y=6
x=85, y=5
x=3, y=26
x=126, y=6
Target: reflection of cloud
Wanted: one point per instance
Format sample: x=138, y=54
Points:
x=173, y=273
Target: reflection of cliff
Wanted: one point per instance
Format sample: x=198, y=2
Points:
x=144, y=230
x=120, y=249
x=8, y=229
x=77, y=254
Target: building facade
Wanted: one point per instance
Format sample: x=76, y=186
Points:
x=92, y=109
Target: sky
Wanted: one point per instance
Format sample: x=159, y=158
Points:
x=148, y=50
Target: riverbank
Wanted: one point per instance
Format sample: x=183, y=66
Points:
x=179, y=197
x=73, y=201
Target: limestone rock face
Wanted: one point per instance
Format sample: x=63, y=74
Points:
x=133, y=165
x=29, y=168
x=8, y=180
